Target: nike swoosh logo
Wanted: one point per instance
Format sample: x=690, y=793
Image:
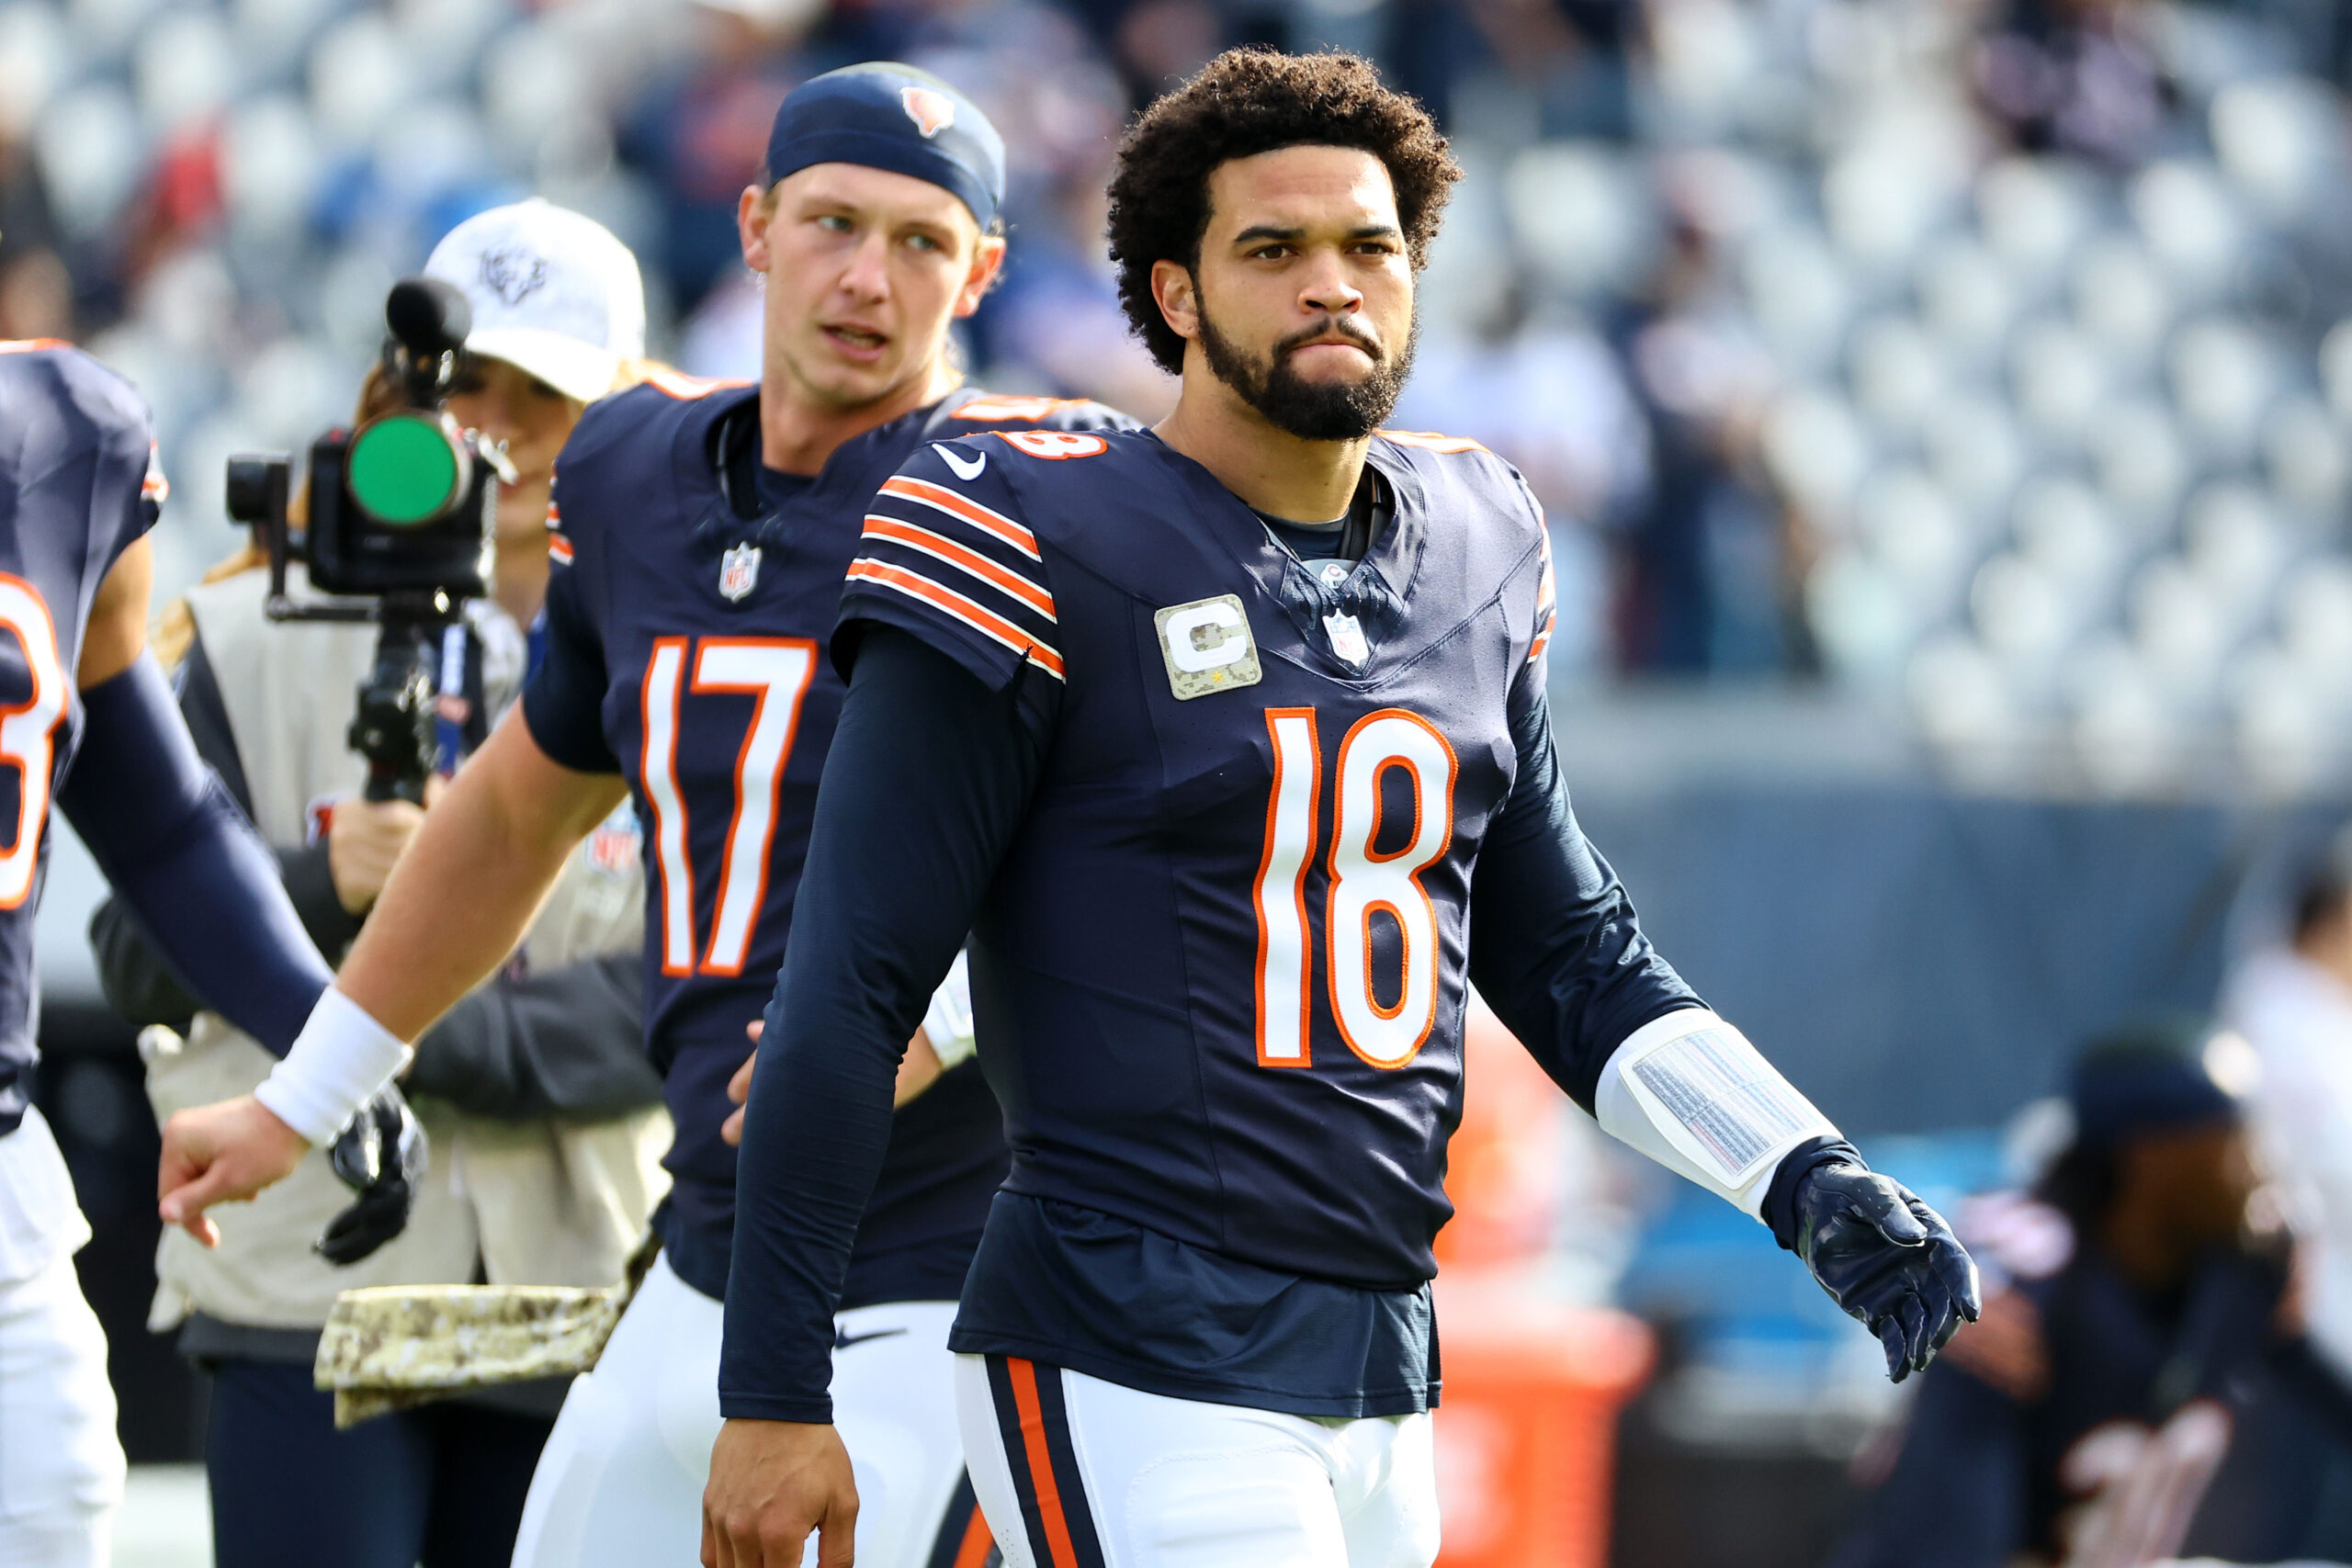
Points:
x=843, y=1338
x=965, y=471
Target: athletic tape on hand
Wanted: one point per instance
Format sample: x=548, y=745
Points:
x=1690, y=1092
x=948, y=1025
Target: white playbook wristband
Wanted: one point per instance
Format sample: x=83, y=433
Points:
x=1690, y=1092
x=339, y=1061
x=948, y=1025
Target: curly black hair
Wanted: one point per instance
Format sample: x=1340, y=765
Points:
x=1245, y=102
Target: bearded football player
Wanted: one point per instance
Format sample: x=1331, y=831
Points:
x=1255, y=779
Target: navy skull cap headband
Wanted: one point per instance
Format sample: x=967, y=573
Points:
x=888, y=116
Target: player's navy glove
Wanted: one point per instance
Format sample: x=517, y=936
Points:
x=380, y=1156
x=1888, y=1259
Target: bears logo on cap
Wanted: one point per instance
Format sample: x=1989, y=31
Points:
x=933, y=112
x=513, y=273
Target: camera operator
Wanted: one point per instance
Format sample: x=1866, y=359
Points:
x=544, y=1115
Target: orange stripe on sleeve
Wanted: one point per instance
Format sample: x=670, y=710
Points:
x=941, y=499
x=1041, y=1464
x=944, y=548
x=949, y=602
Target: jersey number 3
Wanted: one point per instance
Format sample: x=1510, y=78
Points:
x=29, y=732
x=1364, y=883
x=775, y=671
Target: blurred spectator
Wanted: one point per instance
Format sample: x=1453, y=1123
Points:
x=2138, y=1388
x=1713, y=566
x=1544, y=390
x=1561, y=65
x=36, y=292
x=698, y=135
x=2076, y=76
x=2293, y=1005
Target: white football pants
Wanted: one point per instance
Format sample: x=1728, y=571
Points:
x=620, y=1482
x=1076, y=1472
x=61, y=1466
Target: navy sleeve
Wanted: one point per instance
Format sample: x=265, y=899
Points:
x=899, y=854
x=136, y=981
x=563, y=703
x=1554, y=946
x=175, y=846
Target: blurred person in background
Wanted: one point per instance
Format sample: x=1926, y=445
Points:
x=704, y=532
x=2076, y=76
x=1713, y=557
x=1546, y=393
x=2139, y=1387
x=2293, y=1004
x=694, y=132
x=36, y=291
x=545, y=1117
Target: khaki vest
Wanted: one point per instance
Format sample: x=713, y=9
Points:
x=538, y=1204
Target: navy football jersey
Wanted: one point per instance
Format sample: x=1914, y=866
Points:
x=78, y=485
x=1231, y=935
x=1221, y=969
x=690, y=601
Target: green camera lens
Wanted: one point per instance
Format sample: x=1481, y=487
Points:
x=403, y=469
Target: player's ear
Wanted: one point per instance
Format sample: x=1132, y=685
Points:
x=754, y=211
x=988, y=261
x=1178, y=297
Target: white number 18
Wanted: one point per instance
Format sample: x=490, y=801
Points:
x=1363, y=881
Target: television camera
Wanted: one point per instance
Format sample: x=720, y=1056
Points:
x=401, y=512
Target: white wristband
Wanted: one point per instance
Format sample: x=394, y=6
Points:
x=339, y=1061
x=948, y=1025
x=1690, y=1092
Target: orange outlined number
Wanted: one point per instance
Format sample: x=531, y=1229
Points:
x=684, y=388
x=1014, y=405
x=1280, y=894
x=776, y=673
x=665, y=670
x=1056, y=443
x=29, y=732
x=1363, y=884
x=1430, y=440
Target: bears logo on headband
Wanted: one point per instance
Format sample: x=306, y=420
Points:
x=932, y=112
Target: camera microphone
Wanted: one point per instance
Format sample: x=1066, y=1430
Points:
x=430, y=317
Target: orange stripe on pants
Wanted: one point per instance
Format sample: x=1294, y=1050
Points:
x=976, y=1542
x=1041, y=1464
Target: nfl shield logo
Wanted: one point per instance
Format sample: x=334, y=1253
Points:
x=738, y=571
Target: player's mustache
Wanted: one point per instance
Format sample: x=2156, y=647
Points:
x=1332, y=326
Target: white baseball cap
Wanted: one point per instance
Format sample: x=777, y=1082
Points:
x=553, y=293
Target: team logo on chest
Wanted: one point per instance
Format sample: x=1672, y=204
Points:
x=1207, y=647
x=739, y=572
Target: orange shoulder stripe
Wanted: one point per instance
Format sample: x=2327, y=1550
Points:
x=987, y=622
x=939, y=498
x=940, y=548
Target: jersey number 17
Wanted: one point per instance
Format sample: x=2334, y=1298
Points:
x=775, y=671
